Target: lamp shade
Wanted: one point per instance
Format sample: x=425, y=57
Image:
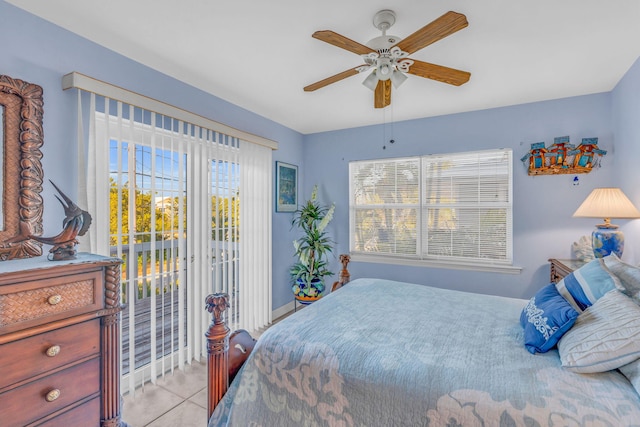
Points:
x=371, y=81
x=607, y=203
x=397, y=78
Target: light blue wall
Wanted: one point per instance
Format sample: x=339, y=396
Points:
x=626, y=124
x=39, y=52
x=543, y=205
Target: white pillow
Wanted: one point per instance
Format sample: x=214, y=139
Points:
x=604, y=337
x=632, y=372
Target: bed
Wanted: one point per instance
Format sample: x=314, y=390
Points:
x=382, y=353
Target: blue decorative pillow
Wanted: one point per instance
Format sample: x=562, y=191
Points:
x=545, y=319
x=587, y=284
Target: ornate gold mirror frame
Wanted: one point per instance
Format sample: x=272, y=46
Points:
x=21, y=106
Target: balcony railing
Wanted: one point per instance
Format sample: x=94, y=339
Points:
x=151, y=290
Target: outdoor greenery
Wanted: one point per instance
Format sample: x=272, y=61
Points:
x=163, y=212
x=225, y=218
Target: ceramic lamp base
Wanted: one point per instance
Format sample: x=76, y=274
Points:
x=606, y=241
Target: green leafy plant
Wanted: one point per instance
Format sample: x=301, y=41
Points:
x=313, y=247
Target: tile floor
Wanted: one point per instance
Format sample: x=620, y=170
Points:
x=178, y=399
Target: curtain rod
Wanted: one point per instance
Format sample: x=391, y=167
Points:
x=86, y=83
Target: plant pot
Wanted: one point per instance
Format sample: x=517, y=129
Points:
x=306, y=293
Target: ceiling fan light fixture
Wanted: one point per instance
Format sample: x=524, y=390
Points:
x=371, y=81
x=396, y=53
x=404, y=65
x=385, y=69
x=397, y=78
x=388, y=56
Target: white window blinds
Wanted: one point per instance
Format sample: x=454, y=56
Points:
x=467, y=206
x=453, y=207
x=188, y=209
x=385, y=206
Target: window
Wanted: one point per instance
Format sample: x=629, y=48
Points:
x=174, y=215
x=451, y=209
x=184, y=206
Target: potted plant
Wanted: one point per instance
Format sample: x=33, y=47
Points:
x=312, y=249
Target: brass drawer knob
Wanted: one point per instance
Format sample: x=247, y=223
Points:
x=52, y=395
x=54, y=299
x=53, y=350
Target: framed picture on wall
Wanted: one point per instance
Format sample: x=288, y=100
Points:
x=286, y=187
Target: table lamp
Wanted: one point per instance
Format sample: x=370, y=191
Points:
x=607, y=203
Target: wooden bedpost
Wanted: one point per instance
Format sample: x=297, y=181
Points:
x=217, y=350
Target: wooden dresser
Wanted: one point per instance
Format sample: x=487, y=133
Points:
x=59, y=342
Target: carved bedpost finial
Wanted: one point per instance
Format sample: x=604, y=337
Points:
x=217, y=350
x=217, y=304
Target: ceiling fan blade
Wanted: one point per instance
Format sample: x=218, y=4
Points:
x=382, y=95
x=439, y=73
x=438, y=29
x=333, y=79
x=343, y=42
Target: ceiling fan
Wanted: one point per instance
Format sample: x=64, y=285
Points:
x=388, y=55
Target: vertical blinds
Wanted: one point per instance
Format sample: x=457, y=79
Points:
x=188, y=209
x=452, y=206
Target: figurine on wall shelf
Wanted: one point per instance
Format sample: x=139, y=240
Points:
x=76, y=223
x=561, y=157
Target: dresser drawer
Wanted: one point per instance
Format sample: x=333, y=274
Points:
x=33, y=303
x=37, y=399
x=36, y=355
x=85, y=415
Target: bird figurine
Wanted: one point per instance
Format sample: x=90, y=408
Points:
x=76, y=223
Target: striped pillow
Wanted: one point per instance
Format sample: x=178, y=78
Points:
x=587, y=284
x=629, y=276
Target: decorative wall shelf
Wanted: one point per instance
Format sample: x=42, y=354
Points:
x=562, y=157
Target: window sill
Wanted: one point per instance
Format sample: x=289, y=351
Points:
x=453, y=265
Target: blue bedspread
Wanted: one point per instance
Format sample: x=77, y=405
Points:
x=384, y=353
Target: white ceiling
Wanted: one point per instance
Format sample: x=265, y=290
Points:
x=259, y=54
